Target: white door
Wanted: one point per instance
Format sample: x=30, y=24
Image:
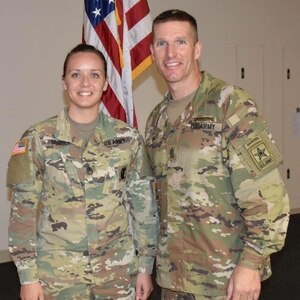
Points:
x=291, y=121
x=250, y=72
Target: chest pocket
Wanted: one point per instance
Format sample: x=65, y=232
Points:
x=199, y=146
x=111, y=167
x=60, y=177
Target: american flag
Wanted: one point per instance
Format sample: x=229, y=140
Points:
x=121, y=30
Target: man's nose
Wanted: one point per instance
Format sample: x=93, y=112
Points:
x=171, y=51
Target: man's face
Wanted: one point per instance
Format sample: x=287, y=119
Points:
x=175, y=51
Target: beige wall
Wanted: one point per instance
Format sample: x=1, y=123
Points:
x=35, y=36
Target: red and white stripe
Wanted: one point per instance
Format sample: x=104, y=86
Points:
x=124, y=37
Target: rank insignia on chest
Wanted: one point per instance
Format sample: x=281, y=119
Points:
x=123, y=173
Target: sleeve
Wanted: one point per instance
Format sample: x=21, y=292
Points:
x=24, y=179
x=253, y=161
x=143, y=207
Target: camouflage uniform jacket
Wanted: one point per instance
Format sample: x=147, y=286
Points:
x=222, y=200
x=84, y=232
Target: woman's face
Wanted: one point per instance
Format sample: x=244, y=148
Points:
x=84, y=82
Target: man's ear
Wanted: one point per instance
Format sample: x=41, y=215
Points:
x=198, y=50
x=151, y=50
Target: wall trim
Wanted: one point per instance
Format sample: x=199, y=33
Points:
x=295, y=211
x=4, y=256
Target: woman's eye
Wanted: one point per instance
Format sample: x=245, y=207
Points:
x=75, y=75
x=95, y=75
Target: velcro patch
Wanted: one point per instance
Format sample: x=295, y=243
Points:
x=261, y=154
x=19, y=170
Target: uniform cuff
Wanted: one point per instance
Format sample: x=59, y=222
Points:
x=146, y=264
x=251, y=260
x=28, y=276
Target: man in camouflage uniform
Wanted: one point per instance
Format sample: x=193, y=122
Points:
x=223, y=205
x=91, y=188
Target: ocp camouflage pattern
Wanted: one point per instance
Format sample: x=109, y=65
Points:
x=79, y=214
x=221, y=199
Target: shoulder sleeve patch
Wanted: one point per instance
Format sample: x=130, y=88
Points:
x=261, y=154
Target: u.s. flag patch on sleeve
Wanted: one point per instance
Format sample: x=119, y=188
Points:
x=20, y=147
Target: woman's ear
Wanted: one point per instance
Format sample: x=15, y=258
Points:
x=63, y=83
x=105, y=85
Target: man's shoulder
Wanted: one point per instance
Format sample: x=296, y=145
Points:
x=157, y=110
x=225, y=88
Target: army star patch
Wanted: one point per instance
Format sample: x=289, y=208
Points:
x=261, y=154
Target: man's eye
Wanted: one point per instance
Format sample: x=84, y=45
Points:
x=181, y=42
x=160, y=43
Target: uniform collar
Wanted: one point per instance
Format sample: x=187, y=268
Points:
x=196, y=107
x=104, y=130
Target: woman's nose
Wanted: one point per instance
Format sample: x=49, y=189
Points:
x=85, y=81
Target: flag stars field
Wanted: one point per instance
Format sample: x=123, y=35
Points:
x=121, y=30
x=96, y=12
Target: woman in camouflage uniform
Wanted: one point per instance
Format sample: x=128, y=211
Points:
x=83, y=220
